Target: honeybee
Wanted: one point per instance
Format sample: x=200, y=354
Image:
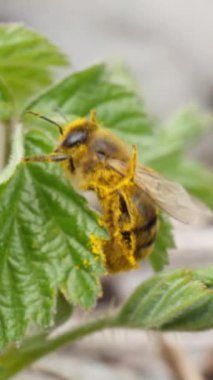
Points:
x=129, y=194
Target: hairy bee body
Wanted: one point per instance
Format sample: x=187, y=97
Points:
x=126, y=211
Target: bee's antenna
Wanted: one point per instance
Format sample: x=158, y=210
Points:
x=47, y=119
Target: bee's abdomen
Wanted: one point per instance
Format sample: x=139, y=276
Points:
x=145, y=237
x=131, y=220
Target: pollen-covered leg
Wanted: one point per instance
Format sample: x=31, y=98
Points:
x=105, y=190
x=93, y=117
x=130, y=172
x=97, y=247
x=93, y=121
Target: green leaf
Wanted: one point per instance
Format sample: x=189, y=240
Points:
x=184, y=129
x=121, y=74
x=116, y=106
x=205, y=275
x=165, y=241
x=43, y=226
x=181, y=300
x=166, y=149
x=26, y=59
x=63, y=310
x=197, y=179
x=175, y=137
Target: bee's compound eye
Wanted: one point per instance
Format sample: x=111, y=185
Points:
x=76, y=137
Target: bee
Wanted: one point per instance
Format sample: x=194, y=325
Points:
x=129, y=194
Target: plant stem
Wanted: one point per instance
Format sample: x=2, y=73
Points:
x=9, y=126
x=7, y=144
x=16, y=359
x=77, y=333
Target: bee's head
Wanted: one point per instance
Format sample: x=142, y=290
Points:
x=75, y=139
x=75, y=135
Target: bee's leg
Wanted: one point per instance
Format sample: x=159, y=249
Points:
x=93, y=119
x=45, y=158
x=131, y=168
x=97, y=246
x=106, y=190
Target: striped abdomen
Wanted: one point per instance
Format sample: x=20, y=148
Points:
x=141, y=213
x=132, y=230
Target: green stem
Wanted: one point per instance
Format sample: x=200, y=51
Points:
x=7, y=143
x=34, y=348
x=77, y=333
x=9, y=129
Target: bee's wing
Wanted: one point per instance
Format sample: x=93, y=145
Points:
x=169, y=196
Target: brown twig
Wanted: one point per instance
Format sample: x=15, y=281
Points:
x=177, y=360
